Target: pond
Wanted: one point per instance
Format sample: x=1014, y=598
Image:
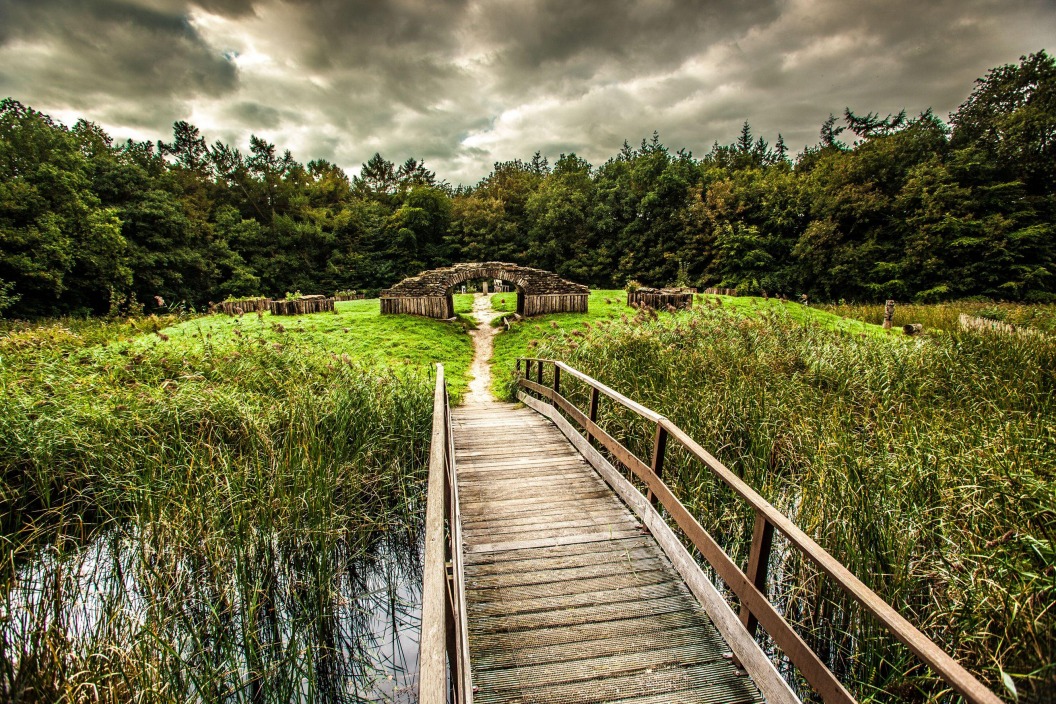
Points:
x=253, y=619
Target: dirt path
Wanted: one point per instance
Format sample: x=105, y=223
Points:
x=479, y=393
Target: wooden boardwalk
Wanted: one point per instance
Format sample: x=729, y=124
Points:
x=569, y=598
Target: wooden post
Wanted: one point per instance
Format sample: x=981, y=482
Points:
x=659, y=450
x=557, y=379
x=889, y=314
x=539, y=372
x=758, y=564
x=593, y=411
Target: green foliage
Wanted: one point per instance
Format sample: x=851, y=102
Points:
x=911, y=208
x=8, y=297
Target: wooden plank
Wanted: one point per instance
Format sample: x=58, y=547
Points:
x=627, y=550
x=594, y=512
x=615, y=520
x=547, y=542
x=606, y=638
x=525, y=574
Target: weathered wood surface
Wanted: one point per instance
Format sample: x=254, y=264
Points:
x=554, y=303
x=303, y=306
x=569, y=597
x=660, y=298
x=242, y=305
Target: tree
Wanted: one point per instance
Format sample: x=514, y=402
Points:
x=187, y=147
x=377, y=178
x=60, y=248
x=1011, y=118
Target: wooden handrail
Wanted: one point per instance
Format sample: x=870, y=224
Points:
x=444, y=645
x=750, y=587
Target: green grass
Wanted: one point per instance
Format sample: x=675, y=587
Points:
x=236, y=472
x=605, y=307
x=463, y=303
x=924, y=464
x=945, y=316
x=357, y=332
x=504, y=302
x=797, y=313
x=524, y=336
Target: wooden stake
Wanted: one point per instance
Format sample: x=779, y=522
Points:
x=889, y=314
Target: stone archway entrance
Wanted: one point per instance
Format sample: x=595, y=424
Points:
x=538, y=291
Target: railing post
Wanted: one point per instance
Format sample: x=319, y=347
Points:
x=539, y=371
x=758, y=564
x=593, y=414
x=557, y=379
x=659, y=450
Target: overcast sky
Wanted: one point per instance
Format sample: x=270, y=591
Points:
x=465, y=84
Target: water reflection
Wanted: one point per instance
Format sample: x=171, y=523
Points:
x=252, y=617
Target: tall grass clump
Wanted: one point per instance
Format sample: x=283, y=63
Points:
x=203, y=521
x=926, y=465
x=946, y=316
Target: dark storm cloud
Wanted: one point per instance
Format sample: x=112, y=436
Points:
x=258, y=116
x=463, y=83
x=543, y=44
x=227, y=8
x=123, y=60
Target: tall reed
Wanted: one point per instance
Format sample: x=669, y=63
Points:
x=924, y=465
x=202, y=522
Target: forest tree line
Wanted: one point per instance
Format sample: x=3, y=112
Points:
x=911, y=208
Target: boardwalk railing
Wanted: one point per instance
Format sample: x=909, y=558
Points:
x=749, y=586
x=444, y=644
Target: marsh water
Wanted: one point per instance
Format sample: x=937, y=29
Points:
x=280, y=621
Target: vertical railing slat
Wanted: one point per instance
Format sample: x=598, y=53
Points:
x=758, y=565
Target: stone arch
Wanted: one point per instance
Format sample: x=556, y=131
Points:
x=430, y=293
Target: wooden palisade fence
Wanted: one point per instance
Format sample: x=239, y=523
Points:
x=242, y=305
x=302, y=306
x=444, y=644
x=660, y=298
x=554, y=303
x=715, y=291
x=749, y=586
